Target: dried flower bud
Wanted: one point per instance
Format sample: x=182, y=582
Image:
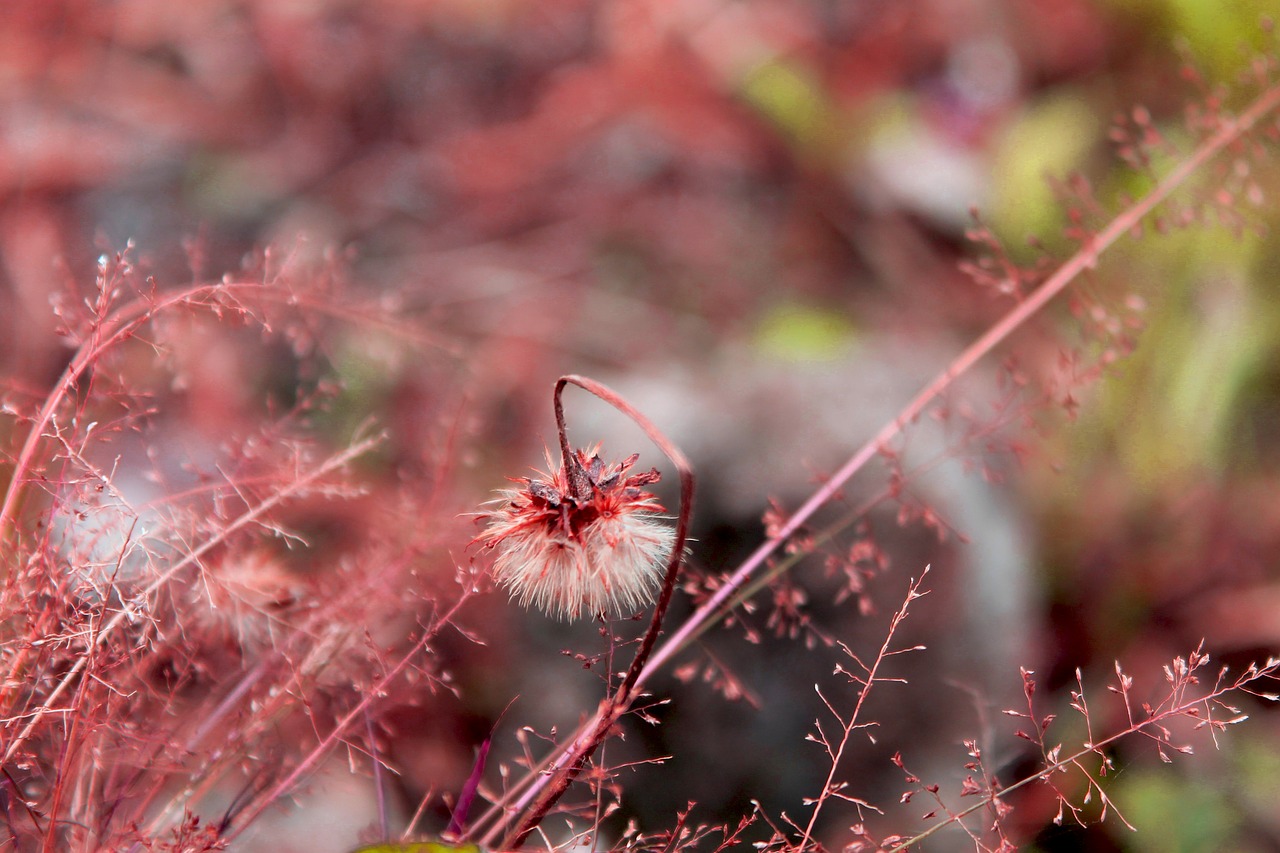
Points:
x=585, y=541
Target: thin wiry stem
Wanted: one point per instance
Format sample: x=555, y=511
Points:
x=121, y=324
x=1185, y=708
x=251, y=515
x=308, y=763
x=547, y=788
x=851, y=724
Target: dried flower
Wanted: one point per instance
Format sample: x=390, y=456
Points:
x=587, y=540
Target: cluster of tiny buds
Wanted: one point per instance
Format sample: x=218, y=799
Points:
x=586, y=541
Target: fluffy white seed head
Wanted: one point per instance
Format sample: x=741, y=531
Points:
x=603, y=551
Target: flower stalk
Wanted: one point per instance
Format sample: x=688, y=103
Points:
x=589, y=509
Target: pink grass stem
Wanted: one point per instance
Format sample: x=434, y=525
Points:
x=1082, y=260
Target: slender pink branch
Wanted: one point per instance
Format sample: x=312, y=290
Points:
x=1082, y=260
x=1183, y=708
x=121, y=324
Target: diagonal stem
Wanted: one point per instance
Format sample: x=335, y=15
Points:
x=1084, y=259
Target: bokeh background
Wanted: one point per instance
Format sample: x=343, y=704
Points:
x=748, y=217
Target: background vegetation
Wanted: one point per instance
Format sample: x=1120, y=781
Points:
x=284, y=288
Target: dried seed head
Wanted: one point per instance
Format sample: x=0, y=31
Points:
x=586, y=541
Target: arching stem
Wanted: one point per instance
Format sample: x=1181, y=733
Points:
x=547, y=790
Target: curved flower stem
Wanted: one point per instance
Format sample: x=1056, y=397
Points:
x=547, y=789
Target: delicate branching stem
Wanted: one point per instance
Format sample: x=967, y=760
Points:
x=851, y=724
x=107, y=333
x=345, y=724
x=122, y=324
x=275, y=499
x=1183, y=708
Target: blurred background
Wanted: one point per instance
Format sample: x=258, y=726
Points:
x=749, y=218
